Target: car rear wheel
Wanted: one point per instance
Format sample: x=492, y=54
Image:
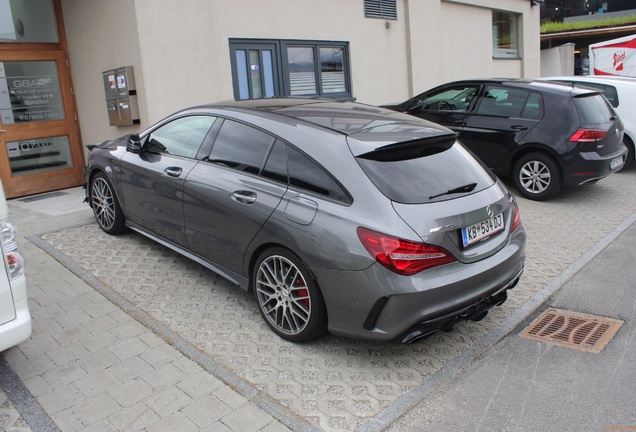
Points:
x=537, y=176
x=287, y=296
x=106, y=209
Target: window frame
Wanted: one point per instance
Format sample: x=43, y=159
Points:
x=514, y=51
x=282, y=84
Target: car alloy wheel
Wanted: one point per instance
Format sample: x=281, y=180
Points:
x=287, y=297
x=536, y=176
x=106, y=209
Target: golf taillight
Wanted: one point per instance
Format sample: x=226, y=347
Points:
x=588, y=135
x=402, y=256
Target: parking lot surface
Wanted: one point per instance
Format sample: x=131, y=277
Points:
x=129, y=335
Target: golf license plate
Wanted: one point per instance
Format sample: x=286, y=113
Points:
x=479, y=231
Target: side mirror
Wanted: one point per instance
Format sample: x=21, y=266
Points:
x=134, y=144
x=413, y=104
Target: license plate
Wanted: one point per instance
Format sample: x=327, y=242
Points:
x=479, y=231
x=617, y=161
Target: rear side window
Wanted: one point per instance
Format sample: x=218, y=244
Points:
x=241, y=147
x=276, y=165
x=306, y=174
x=593, y=109
x=422, y=172
x=511, y=102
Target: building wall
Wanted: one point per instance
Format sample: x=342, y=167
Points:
x=180, y=50
x=101, y=35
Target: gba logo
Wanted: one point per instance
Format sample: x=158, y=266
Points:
x=25, y=83
x=619, y=60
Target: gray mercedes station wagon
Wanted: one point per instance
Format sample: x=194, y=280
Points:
x=338, y=216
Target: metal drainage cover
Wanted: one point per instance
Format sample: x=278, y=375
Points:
x=574, y=330
x=42, y=197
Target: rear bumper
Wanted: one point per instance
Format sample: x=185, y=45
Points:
x=591, y=167
x=18, y=330
x=380, y=305
x=475, y=312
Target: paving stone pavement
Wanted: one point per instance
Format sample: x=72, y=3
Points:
x=129, y=335
x=10, y=418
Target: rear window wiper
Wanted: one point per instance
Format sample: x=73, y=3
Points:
x=462, y=189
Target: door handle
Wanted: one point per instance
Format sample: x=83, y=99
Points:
x=518, y=127
x=244, y=197
x=173, y=171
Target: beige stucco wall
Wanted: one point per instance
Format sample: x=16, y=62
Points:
x=101, y=35
x=180, y=50
x=186, y=59
x=452, y=39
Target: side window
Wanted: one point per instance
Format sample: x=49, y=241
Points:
x=534, y=107
x=241, y=147
x=612, y=95
x=276, y=165
x=181, y=137
x=449, y=99
x=510, y=102
x=306, y=174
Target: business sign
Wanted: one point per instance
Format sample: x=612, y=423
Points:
x=39, y=155
x=30, y=92
x=614, y=57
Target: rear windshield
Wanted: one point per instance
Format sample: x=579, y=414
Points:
x=416, y=173
x=593, y=109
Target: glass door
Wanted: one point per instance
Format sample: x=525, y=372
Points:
x=40, y=148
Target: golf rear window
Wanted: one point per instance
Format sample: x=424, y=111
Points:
x=416, y=173
x=593, y=109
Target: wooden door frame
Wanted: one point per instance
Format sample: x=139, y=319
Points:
x=69, y=126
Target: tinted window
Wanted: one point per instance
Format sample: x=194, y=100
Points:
x=181, y=137
x=241, y=147
x=612, y=95
x=414, y=175
x=534, y=107
x=593, y=109
x=510, y=102
x=449, y=99
x=306, y=174
x=276, y=165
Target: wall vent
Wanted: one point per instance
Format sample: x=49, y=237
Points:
x=383, y=9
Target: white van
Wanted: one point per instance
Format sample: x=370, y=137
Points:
x=15, y=318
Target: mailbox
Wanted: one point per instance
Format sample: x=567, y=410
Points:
x=121, y=96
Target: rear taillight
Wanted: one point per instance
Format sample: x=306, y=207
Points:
x=402, y=256
x=588, y=135
x=13, y=259
x=516, y=218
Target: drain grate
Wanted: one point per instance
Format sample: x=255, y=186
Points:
x=574, y=330
x=42, y=197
